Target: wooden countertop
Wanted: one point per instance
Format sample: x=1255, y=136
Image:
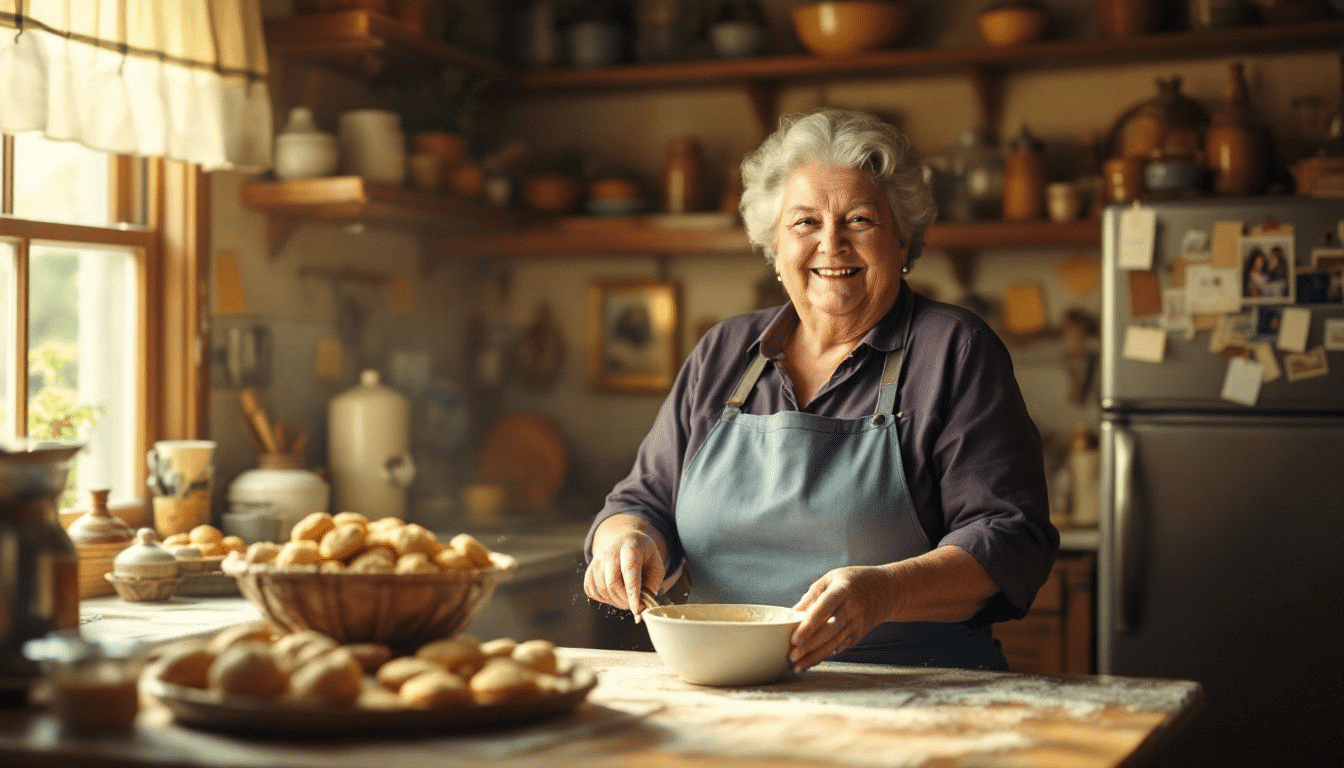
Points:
x=640, y=714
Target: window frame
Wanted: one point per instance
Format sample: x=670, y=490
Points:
x=172, y=199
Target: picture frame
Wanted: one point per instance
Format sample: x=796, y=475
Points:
x=633, y=328
x=1268, y=267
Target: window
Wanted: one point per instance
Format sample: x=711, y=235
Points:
x=96, y=284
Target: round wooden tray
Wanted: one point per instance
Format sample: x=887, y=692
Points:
x=378, y=712
x=527, y=455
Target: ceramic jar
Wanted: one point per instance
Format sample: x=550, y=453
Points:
x=738, y=28
x=368, y=433
x=1125, y=18
x=302, y=151
x=976, y=169
x=265, y=502
x=145, y=571
x=373, y=146
x=98, y=536
x=683, y=176
x=1024, y=178
x=1236, y=144
x=1170, y=125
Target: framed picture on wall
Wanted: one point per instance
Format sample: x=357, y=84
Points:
x=632, y=334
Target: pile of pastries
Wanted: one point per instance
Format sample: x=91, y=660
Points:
x=208, y=539
x=349, y=542
x=309, y=668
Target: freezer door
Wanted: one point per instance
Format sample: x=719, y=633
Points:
x=1190, y=377
x=1221, y=550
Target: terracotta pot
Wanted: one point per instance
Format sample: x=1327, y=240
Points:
x=553, y=193
x=1236, y=145
x=1125, y=18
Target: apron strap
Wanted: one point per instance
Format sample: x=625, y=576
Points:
x=891, y=370
x=895, y=364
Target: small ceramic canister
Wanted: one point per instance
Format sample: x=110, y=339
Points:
x=98, y=536
x=145, y=570
x=1063, y=200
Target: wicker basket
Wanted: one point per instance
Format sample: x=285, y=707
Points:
x=404, y=610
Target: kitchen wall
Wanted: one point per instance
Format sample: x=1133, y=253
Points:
x=630, y=131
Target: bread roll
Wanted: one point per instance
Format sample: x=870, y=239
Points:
x=396, y=672
x=343, y=518
x=460, y=655
x=342, y=541
x=503, y=680
x=500, y=646
x=435, y=690
x=415, y=562
x=450, y=559
x=248, y=669
x=370, y=656
x=186, y=664
x=299, y=552
x=312, y=527
x=262, y=552
x=205, y=535
x=415, y=538
x=253, y=630
x=537, y=654
x=334, y=677
x=294, y=650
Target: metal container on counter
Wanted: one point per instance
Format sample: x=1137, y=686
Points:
x=39, y=567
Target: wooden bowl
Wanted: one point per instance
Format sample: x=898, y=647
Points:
x=401, y=610
x=1012, y=25
x=848, y=27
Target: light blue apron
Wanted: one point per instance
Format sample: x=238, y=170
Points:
x=770, y=503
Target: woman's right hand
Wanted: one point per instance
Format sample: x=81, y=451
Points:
x=628, y=555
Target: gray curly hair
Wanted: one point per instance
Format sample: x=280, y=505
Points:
x=835, y=138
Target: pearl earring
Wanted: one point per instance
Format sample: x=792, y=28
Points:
x=778, y=278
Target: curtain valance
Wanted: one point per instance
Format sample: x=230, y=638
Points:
x=182, y=79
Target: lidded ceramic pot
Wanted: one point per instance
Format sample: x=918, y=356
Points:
x=1168, y=125
x=302, y=151
x=99, y=536
x=368, y=437
x=266, y=502
x=145, y=571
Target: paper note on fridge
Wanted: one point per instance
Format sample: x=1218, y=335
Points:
x=1212, y=290
x=1242, y=384
x=1147, y=345
x=1294, y=324
x=1138, y=234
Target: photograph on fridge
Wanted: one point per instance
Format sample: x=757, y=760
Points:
x=1320, y=286
x=1267, y=269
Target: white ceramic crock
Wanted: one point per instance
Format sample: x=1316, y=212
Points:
x=266, y=502
x=373, y=145
x=369, y=444
x=302, y=151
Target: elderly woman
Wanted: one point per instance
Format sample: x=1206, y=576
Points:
x=861, y=453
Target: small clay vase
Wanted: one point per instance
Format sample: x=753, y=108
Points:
x=683, y=174
x=1236, y=145
x=1024, y=178
x=98, y=536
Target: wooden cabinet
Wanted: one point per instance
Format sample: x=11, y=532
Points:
x=1056, y=636
x=369, y=45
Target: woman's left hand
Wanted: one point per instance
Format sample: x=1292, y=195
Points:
x=842, y=607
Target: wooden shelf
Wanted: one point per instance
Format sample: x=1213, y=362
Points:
x=351, y=199
x=368, y=44
x=922, y=62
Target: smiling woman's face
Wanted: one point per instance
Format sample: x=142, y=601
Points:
x=837, y=249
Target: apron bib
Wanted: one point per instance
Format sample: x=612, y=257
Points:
x=770, y=503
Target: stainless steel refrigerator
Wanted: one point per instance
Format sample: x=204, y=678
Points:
x=1221, y=553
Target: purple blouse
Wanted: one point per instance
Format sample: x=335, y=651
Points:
x=972, y=454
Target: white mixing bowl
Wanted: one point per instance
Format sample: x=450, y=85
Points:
x=723, y=645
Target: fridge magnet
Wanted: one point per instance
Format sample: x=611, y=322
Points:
x=1146, y=345
x=1175, y=313
x=1212, y=290
x=1145, y=294
x=1267, y=269
x=1267, y=320
x=1305, y=365
x=1232, y=331
x=1243, y=380
x=1293, y=328
x=1269, y=362
x=1223, y=247
x=1195, y=245
x=1334, y=334
x=632, y=328
x=1138, y=235
x=1320, y=286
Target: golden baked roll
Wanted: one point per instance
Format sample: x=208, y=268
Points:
x=537, y=654
x=450, y=559
x=177, y=540
x=295, y=649
x=504, y=680
x=248, y=669
x=252, y=630
x=396, y=672
x=500, y=646
x=298, y=552
x=415, y=538
x=312, y=527
x=460, y=655
x=186, y=663
x=205, y=534
x=435, y=690
x=330, y=566
x=233, y=544
x=375, y=560
x=334, y=677
x=342, y=518
x=415, y=562
x=342, y=541
x=472, y=549
x=262, y=552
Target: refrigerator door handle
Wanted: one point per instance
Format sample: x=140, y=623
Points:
x=1125, y=547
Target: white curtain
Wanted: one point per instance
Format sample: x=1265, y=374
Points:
x=182, y=79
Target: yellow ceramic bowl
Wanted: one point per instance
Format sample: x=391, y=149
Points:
x=847, y=27
x=1012, y=26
